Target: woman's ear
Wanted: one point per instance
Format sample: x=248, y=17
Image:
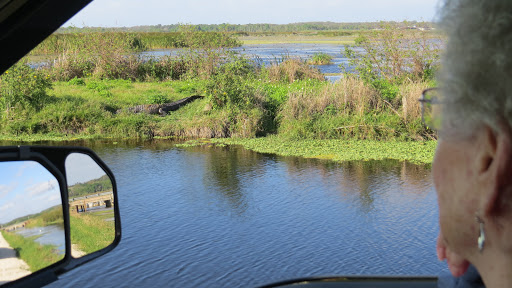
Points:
x=496, y=168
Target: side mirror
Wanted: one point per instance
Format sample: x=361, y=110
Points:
x=58, y=210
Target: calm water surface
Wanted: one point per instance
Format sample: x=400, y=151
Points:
x=228, y=217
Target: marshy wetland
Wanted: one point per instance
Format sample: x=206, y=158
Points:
x=249, y=91
x=334, y=176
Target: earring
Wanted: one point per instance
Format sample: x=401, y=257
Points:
x=481, y=237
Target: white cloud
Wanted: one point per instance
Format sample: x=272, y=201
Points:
x=6, y=189
x=7, y=206
x=43, y=187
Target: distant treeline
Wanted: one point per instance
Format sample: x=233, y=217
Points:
x=101, y=184
x=53, y=211
x=58, y=43
x=263, y=27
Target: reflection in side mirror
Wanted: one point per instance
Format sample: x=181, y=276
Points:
x=31, y=219
x=91, y=202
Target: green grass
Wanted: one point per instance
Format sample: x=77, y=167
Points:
x=36, y=256
x=90, y=232
x=338, y=150
x=303, y=109
x=48, y=217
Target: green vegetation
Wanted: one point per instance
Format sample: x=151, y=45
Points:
x=337, y=150
x=36, y=256
x=99, y=185
x=320, y=59
x=22, y=89
x=133, y=41
x=391, y=57
x=320, y=27
x=50, y=216
x=91, y=231
x=289, y=98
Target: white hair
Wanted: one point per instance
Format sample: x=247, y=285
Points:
x=476, y=72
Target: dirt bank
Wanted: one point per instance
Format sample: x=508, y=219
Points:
x=11, y=267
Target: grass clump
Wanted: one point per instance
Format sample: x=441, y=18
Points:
x=350, y=109
x=320, y=59
x=291, y=70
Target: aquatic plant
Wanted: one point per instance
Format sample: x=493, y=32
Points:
x=320, y=59
x=339, y=150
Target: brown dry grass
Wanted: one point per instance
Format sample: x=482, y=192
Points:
x=347, y=96
x=291, y=70
x=351, y=96
x=244, y=124
x=410, y=93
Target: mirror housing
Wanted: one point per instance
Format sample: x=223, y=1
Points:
x=53, y=159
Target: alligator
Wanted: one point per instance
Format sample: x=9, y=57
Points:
x=161, y=109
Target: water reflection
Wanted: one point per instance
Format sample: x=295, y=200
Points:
x=228, y=217
x=360, y=182
x=226, y=169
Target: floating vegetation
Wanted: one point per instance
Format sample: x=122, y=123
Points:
x=340, y=150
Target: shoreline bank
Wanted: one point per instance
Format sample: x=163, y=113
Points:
x=11, y=267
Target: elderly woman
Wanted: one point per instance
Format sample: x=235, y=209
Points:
x=472, y=110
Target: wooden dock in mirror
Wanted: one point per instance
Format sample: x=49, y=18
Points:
x=81, y=204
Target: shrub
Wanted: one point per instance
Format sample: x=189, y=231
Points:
x=23, y=87
x=225, y=89
x=320, y=59
x=393, y=56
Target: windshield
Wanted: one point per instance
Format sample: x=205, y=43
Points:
x=252, y=142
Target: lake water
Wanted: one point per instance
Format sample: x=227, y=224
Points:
x=229, y=217
x=48, y=235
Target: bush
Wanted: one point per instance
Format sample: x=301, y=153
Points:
x=320, y=59
x=23, y=87
x=393, y=56
x=229, y=90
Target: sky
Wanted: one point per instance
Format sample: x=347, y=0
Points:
x=127, y=13
x=80, y=168
x=26, y=187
